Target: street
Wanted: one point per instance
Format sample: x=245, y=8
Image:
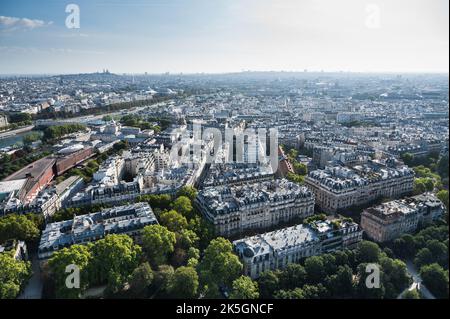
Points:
x=417, y=282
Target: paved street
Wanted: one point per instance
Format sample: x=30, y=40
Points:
x=34, y=288
x=417, y=282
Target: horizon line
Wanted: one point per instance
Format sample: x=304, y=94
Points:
x=306, y=71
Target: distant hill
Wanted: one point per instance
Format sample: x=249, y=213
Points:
x=105, y=75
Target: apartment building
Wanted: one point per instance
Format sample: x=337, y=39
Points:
x=234, y=209
x=277, y=249
x=338, y=187
x=389, y=220
x=83, y=229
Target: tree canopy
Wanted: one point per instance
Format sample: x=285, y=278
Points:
x=13, y=274
x=185, y=283
x=219, y=266
x=78, y=255
x=244, y=288
x=158, y=242
x=114, y=259
x=15, y=226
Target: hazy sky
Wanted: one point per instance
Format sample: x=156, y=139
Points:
x=155, y=36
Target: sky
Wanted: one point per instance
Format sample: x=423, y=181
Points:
x=217, y=36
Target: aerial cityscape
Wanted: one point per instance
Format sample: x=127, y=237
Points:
x=220, y=180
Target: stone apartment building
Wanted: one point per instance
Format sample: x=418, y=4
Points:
x=390, y=220
x=277, y=249
x=83, y=229
x=235, y=209
x=339, y=187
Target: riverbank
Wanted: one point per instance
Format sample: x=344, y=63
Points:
x=16, y=131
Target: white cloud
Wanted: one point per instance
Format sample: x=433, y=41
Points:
x=13, y=23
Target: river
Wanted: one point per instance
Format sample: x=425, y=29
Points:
x=14, y=139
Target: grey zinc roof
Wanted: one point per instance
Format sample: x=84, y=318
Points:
x=96, y=225
x=225, y=199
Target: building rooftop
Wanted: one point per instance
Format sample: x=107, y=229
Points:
x=61, y=187
x=90, y=227
x=11, y=185
x=337, y=178
x=34, y=169
x=286, y=238
x=225, y=199
x=275, y=241
x=229, y=173
x=401, y=207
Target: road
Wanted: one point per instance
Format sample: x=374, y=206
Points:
x=16, y=131
x=417, y=282
x=34, y=288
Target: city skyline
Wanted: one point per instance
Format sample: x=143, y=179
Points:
x=225, y=37
x=216, y=157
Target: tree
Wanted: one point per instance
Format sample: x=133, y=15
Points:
x=183, y=205
x=300, y=168
x=31, y=137
x=422, y=185
x=405, y=246
x=423, y=257
x=219, y=266
x=314, y=291
x=163, y=280
x=411, y=294
x=192, y=262
x=315, y=271
x=292, y=154
x=293, y=276
x=341, y=284
x=268, y=283
x=114, y=259
x=78, y=255
x=439, y=251
x=107, y=118
x=295, y=178
x=178, y=258
x=185, y=283
x=395, y=276
x=162, y=201
x=187, y=239
x=443, y=197
x=140, y=280
x=173, y=221
x=389, y=252
x=158, y=242
x=341, y=258
x=365, y=292
x=187, y=191
x=442, y=166
x=407, y=158
x=193, y=253
x=244, y=288
x=296, y=293
x=368, y=252
x=19, y=117
x=57, y=131
x=435, y=278
x=204, y=230
x=14, y=226
x=329, y=263
x=13, y=274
